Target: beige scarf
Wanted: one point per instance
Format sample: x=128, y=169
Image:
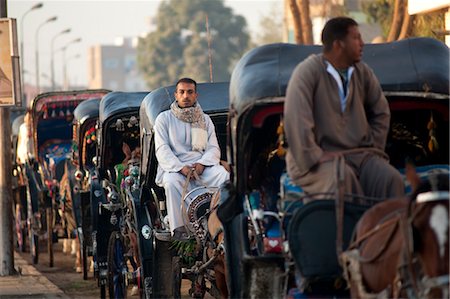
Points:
x=194, y=116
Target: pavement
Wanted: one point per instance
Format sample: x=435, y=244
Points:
x=28, y=283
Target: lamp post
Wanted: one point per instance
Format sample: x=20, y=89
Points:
x=76, y=56
x=77, y=40
x=52, y=62
x=34, y=7
x=36, y=39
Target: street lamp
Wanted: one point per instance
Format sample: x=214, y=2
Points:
x=34, y=7
x=76, y=56
x=77, y=40
x=36, y=39
x=52, y=63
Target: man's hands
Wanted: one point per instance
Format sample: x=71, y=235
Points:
x=197, y=167
x=185, y=170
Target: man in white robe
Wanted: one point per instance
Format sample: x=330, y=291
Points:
x=185, y=141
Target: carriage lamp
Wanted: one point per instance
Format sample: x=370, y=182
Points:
x=78, y=175
x=146, y=232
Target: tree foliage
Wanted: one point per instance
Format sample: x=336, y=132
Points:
x=424, y=25
x=271, y=27
x=179, y=45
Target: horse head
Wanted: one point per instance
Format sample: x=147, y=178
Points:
x=400, y=247
x=428, y=217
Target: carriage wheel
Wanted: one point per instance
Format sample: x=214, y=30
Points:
x=84, y=256
x=162, y=275
x=20, y=230
x=117, y=267
x=49, y=220
x=34, y=239
x=176, y=282
x=102, y=291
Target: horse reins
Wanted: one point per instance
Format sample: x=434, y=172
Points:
x=339, y=161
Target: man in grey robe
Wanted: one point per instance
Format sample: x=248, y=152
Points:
x=337, y=119
x=185, y=141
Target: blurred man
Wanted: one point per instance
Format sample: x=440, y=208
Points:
x=334, y=109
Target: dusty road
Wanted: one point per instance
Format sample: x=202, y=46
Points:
x=63, y=274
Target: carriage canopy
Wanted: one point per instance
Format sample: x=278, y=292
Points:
x=84, y=134
x=118, y=124
x=87, y=110
x=52, y=115
x=415, y=65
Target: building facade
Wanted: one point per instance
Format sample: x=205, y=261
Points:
x=114, y=67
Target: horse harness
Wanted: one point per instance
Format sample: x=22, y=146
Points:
x=407, y=277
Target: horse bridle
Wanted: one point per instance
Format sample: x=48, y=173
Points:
x=414, y=287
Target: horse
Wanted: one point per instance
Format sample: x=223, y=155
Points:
x=68, y=187
x=216, y=234
x=400, y=247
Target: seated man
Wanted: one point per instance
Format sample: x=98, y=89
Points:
x=185, y=141
x=334, y=108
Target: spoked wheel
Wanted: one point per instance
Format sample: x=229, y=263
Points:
x=176, y=282
x=117, y=267
x=34, y=238
x=49, y=222
x=84, y=255
x=21, y=230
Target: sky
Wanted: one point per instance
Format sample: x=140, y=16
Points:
x=95, y=22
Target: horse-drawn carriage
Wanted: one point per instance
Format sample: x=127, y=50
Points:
x=165, y=262
x=113, y=191
x=278, y=241
x=74, y=185
x=50, y=132
x=18, y=188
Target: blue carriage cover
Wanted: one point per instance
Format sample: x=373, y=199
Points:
x=115, y=105
x=419, y=65
x=213, y=98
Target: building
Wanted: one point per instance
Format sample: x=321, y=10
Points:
x=418, y=7
x=114, y=67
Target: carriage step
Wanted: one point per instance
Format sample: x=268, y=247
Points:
x=163, y=235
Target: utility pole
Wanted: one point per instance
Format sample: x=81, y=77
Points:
x=6, y=239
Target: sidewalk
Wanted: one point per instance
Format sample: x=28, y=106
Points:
x=29, y=284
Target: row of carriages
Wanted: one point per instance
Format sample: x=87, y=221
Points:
x=91, y=166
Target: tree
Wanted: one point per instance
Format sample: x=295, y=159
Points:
x=179, y=45
x=393, y=17
x=271, y=27
x=305, y=16
x=296, y=16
